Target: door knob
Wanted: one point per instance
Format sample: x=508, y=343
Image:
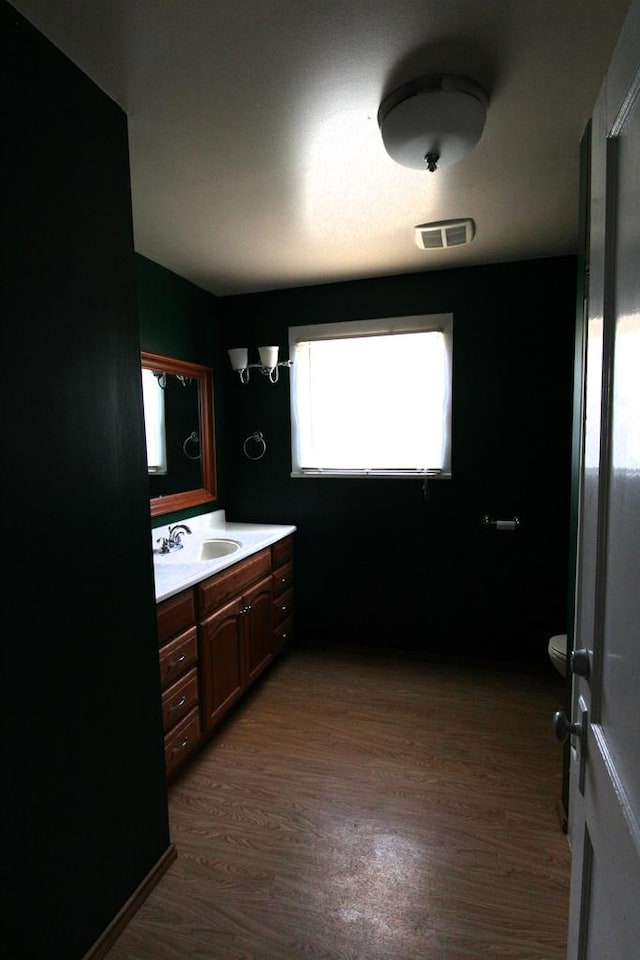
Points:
x=563, y=728
x=579, y=663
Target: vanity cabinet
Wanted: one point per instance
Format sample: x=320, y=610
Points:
x=282, y=565
x=178, y=638
x=216, y=638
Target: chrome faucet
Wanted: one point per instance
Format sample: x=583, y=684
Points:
x=174, y=540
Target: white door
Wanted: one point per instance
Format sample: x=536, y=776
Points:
x=604, y=802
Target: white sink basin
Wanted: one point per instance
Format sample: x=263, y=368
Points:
x=219, y=547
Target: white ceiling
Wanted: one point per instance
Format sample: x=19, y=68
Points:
x=256, y=158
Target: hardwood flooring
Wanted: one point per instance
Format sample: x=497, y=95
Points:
x=364, y=808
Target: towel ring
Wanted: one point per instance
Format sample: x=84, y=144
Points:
x=192, y=438
x=258, y=439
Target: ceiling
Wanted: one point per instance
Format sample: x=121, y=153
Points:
x=256, y=158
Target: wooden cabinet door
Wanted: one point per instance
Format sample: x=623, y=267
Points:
x=221, y=662
x=258, y=627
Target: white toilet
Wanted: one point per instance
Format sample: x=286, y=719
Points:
x=558, y=652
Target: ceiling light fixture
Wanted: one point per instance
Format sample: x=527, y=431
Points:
x=432, y=122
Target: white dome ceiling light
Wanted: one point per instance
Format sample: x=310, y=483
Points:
x=432, y=122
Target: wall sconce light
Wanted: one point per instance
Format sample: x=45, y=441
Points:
x=268, y=366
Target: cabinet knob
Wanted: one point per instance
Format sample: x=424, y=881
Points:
x=176, y=706
x=174, y=663
x=181, y=746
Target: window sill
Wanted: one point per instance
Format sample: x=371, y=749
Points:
x=373, y=474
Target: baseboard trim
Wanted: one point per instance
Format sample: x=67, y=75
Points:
x=542, y=668
x=109, y=936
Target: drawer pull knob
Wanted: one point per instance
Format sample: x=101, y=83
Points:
x=176, y=706
x=181, y=746
x=174, y=663
x=284, y=608
x=283, y=579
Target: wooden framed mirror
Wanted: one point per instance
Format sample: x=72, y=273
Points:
x=180, y=433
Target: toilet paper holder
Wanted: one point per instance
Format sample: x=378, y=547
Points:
x=512, y=524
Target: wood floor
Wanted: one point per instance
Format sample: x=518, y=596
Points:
x=358, y=808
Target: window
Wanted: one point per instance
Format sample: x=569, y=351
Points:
x=372, y=397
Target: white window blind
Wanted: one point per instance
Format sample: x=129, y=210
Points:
x=154, y=421
x=372, y=398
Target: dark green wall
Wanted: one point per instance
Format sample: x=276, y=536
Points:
x=85, y=806
x=378, y=564
x=178, y=319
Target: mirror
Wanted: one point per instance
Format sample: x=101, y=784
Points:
x=180, y=434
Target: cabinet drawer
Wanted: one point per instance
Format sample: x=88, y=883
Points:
x=282, y=635
x=283, y=607
x=177, y=656
x=282, y=551
x=181, y=742
x=179, y=699
x=175, y=614
x=216, y=591
x=282, y=579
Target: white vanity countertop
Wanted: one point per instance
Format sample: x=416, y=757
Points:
x=180, y=569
